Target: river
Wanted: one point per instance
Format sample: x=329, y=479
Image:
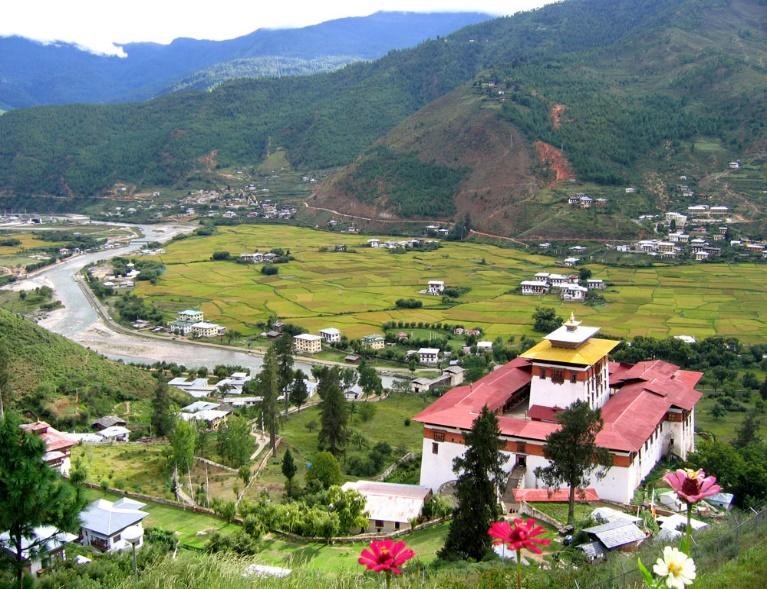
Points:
x=80, y=322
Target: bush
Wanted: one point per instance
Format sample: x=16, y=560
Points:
x=409, y=303
x=222, y=255
x=269, y=270
x=367, y=411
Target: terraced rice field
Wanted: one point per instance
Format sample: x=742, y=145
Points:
x=356, y=290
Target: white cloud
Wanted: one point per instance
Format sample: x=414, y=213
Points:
x=102, y=25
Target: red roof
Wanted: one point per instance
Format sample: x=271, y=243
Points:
x=460, y=406
x=646, y=392
x=554, y=495
x=542, y=413
x=54, y=439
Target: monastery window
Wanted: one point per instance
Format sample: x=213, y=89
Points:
x=558, y=376
x=439, y=436
x=434, y=448
x=573, y=378
x=379, y=523
x=521, y=447
x=396, y=525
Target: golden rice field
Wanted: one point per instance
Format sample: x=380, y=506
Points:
x=356, y=291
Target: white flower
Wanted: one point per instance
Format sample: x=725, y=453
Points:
x=677, y=568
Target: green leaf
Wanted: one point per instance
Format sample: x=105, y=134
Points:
x=649, y=581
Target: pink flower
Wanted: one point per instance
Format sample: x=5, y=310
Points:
x=520, y=535
x=386, y=556
x=692, y=485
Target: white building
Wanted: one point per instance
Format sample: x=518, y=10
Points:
x=648, y=411
x=484, y=346
x=45, y=545
x=190, y=316
x=374, y=341
x=435, y=287
x=570, y=262
x=534, y=287
x=595, y=283
x=103, y=524
x=390, y=506
x=204, y=329
x=330, y=335
x=306, y=343
x=429, y=356
x=574, y=293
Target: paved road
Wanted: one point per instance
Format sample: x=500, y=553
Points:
x=80, y=321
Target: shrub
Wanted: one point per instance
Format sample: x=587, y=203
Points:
x=269, y=270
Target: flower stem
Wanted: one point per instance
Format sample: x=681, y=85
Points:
x=688, y=532
x=388, y=579
x=519, y=568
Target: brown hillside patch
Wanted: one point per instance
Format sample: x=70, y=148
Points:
x=556, y=160
x=457, y=130
x=556, y=114
x=209, y=160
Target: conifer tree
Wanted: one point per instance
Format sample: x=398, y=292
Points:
x=284, y=350
x=289, y=470
x=334, y=413
x=268, y=386
x=480, y=479
x=572, y=452
x=298, y=391
x=162, y=417
x=32, y=494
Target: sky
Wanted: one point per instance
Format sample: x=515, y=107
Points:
x=101, y=25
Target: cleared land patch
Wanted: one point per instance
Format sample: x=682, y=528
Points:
x=356, y=290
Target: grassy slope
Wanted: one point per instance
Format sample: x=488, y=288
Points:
x=356, y=291
x=41, y=357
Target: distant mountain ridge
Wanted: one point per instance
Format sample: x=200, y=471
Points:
x=33, y=74
x=484, y=121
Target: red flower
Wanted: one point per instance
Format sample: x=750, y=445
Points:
x=692, y=485
x=385, y=556
x=520, y=535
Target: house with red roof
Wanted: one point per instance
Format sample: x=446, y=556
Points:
x=58, y=445
x=648, y=411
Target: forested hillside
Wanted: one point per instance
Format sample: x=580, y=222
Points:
x=52, y=378
x=615, y=85
x=35, y=74
x=608, y=115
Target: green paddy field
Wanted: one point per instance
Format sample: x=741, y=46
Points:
x=356, y=290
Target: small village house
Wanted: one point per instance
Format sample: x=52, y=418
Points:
x=435, y=287
x=58, y=446
x=40, y=550
x=390, y=506
x=104, y=522
x=428, y=356
x=574, y=293
x=330, y=335
x=374, y=341
x=306, y=343
x=534, y=287
x=108, y=421
x=204, y=329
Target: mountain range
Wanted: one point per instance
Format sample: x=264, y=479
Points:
x=33, y=73
x=493, y=120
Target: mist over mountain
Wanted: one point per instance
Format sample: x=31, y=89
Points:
x=33, y=73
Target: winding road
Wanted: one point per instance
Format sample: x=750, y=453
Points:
x=81, y=321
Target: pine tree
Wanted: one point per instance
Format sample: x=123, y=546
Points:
x=267, y=385
x=284, y=350
x=289, y=470
x=31, y=493
x=480, y=479
x=572, y=452
x=334, y=413
x=5, y=376
x=748, y=433
x=369, y=379
x=298, y=391
x=162, y=417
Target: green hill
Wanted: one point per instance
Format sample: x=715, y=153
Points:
x=612, y=116
x=52, y=378
x=323, y=121
x=605, y=91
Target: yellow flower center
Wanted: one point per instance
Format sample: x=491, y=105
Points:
x=674, y=569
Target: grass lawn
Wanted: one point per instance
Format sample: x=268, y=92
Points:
x=329, y=558
x=193, y=529
x=559, y=510
x=387, y=425
x=356, y=291
x=140, y=467
x=724, y=428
